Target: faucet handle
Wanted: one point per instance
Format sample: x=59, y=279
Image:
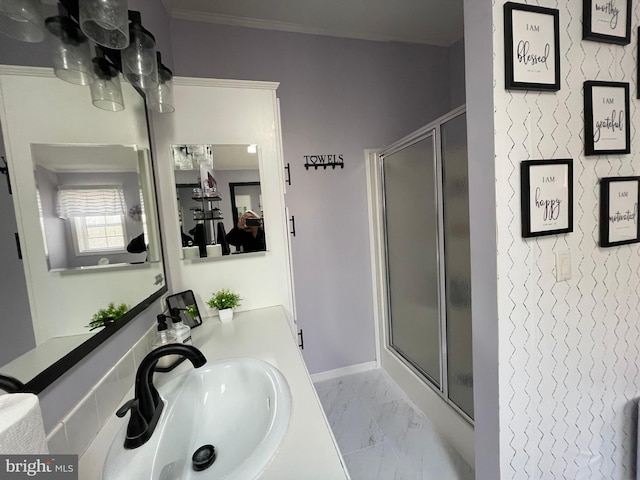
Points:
x=130, y=404
x=137, y=424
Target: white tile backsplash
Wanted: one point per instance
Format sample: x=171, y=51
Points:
x=77, y=429
x=126, y=372
x=82, y=424
x=57, y=440
x=140, y=350
x=108, y=395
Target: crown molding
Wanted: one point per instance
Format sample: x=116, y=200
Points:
x=190, y=81
x=215, y=82
x=206, y=17
x=26, y=71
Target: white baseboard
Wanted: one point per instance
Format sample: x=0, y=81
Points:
x=340, y=372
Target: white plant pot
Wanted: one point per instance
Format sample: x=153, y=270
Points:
x=226, y=315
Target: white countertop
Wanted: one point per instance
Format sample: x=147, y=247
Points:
x=308, y=450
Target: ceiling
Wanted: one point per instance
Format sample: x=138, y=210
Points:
x=432, y=22
x=85, y=158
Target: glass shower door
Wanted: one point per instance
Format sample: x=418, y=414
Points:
x=412, y=224
x=457, y=260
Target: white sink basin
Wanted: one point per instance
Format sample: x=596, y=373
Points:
x=240, y=406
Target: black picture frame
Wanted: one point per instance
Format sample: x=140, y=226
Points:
x=546, y=197
x=601, y=21
x=619, y=198
x=531, y=47
x=603, y=102
x=181, y=301
x=638, y=68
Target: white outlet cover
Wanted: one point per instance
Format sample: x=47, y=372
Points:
x=563, y=266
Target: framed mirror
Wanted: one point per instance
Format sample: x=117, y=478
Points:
x=219, y=200
x=84, y=218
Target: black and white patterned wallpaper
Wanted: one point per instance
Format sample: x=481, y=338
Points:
x=569, y=351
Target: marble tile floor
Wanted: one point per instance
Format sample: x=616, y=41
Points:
x=382, y=436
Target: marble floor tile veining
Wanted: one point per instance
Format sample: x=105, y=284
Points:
x=381, y=434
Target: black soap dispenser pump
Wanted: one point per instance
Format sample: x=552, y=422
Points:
x=180, y=330
x=164, y=337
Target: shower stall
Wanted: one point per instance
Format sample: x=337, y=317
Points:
x=419, y=196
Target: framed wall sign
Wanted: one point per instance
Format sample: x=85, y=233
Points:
x=531, y=47
x=606, y=118
x=619, y=211
x=546, y=197
x=607, y=21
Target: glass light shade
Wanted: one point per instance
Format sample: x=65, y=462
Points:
x=160, y=98
x=139, y=64
x=106, y=22
x=71, y=54
x=22, y=20
x=106, y=92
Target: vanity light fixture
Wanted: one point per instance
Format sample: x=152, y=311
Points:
x=128, y=48
x=160, y=98
x=106, y=92
x=253, y=148
x=139, y=63
x=22, y=20
x=70, y=50
x=106, y=22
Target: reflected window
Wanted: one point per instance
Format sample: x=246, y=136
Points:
x=96, y=216
x=99, y=233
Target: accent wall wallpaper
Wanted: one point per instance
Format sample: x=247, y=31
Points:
x=569, y=351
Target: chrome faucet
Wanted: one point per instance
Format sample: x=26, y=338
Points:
x=10, y=384
x=147, y=406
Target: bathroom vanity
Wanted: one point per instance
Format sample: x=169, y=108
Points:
x=308, y=449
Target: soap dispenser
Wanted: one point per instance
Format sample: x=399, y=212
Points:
x=180, y=330
x=164, y=337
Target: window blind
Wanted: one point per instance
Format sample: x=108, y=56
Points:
x=84, y=202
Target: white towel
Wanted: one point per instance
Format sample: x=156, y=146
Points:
x=21, y=427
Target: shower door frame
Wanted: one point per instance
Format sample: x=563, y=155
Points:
x=433, y=128
x=419, y=136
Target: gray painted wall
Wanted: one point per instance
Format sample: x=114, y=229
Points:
x=55, y=229
x=456, y=73
x=16, y=315
x=478, y=31
x=337, y=96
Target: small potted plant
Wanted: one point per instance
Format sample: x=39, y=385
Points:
x=224, y=301
x=106, y=316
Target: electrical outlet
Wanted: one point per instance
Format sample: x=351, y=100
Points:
x=563, y=266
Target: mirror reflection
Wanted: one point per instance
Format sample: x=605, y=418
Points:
x=59, y=145
x=219, y=200
x=91, y=205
